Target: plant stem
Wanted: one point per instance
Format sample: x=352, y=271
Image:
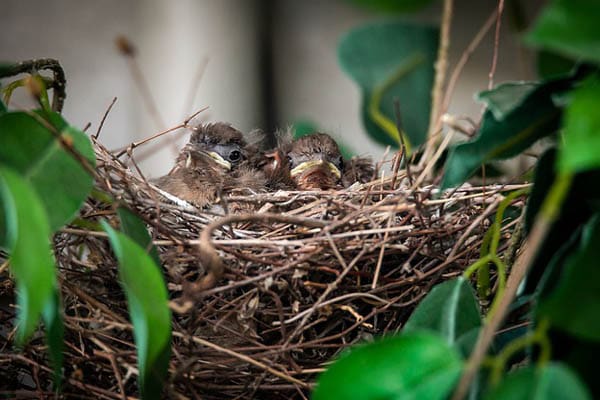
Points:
x=544, y=220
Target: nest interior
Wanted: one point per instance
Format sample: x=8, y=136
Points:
x=332, y=269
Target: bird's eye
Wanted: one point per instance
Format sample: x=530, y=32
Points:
x=290, y=162
x=235, y=155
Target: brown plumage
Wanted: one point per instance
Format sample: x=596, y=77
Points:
x=216, y=161
x=315, y=162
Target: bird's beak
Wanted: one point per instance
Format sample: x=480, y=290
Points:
x=220, y=160
x=305, y=166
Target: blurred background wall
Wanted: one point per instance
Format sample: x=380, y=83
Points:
x=266, y=63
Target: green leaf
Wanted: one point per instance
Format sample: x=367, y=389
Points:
x=553, y=381
x=148, y=309
x=393, y=6
x=450, y=309
x=579, y=152
x=533, y=117
x=135, y=228
x=505, y=97
x=550, y=65
x=569, y=27
x=577, y=208
x=55, y=331
x=59, y=180
x=392, y=60
x=3, y=108
x=410, y=366
x=570, y=307
x=28, y=243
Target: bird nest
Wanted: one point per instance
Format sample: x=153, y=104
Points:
x=303, y=278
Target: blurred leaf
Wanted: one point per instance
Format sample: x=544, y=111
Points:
x=576, y=209
x=580, y=355
x=414, y=366
x=55, y=331
x=392, y=60
x=148, y=308
x=571, y=306
x=27, y=241
x=533, y=117
x=450, y=310
x=579, y=151
x=3, y=108
x=59, y=180
x=543, y=178
x=569, y=27
x=393, y=6
x=135, y=228
x=505, y=97
x=553, y=381
x=551, y=65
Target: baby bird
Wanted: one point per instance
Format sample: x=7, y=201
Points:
x=216, y=161
x=315, y=162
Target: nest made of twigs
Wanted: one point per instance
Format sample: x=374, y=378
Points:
x=335, y=268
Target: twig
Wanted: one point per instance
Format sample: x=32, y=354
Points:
x=441, y=67
x=496, y=44
x=112, y=103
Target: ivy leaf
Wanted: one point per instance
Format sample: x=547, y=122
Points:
x=505, y=97
x=135, y=228
x=59, y=180
x=579, y=286
x=27, y=241
x=450, y=310
x=553, y=381
x=148, y=309
x=415, y=366
x=392, y=60
x=569, y=27
x=579, y=152
x=533, y=116
x=550, y=65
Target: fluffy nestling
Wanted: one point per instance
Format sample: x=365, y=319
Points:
x=315, y=162
x=216, y=161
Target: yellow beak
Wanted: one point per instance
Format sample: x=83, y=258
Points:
x=314, y=163
x=220, y=160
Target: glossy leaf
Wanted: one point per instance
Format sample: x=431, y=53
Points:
x=148, y=309
x=450, y=309
x=59, y=180
x=577, y=208
x=569, y=27
x=553, y=381
x=393, y=60
x=579, y=151
x=28, y=243
x=570, y=306
x=505, y=97
x=411, y=366
x=533, y=117
x=135, y=228
x=393, y=6
x=550, y=65
x=55, y=331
